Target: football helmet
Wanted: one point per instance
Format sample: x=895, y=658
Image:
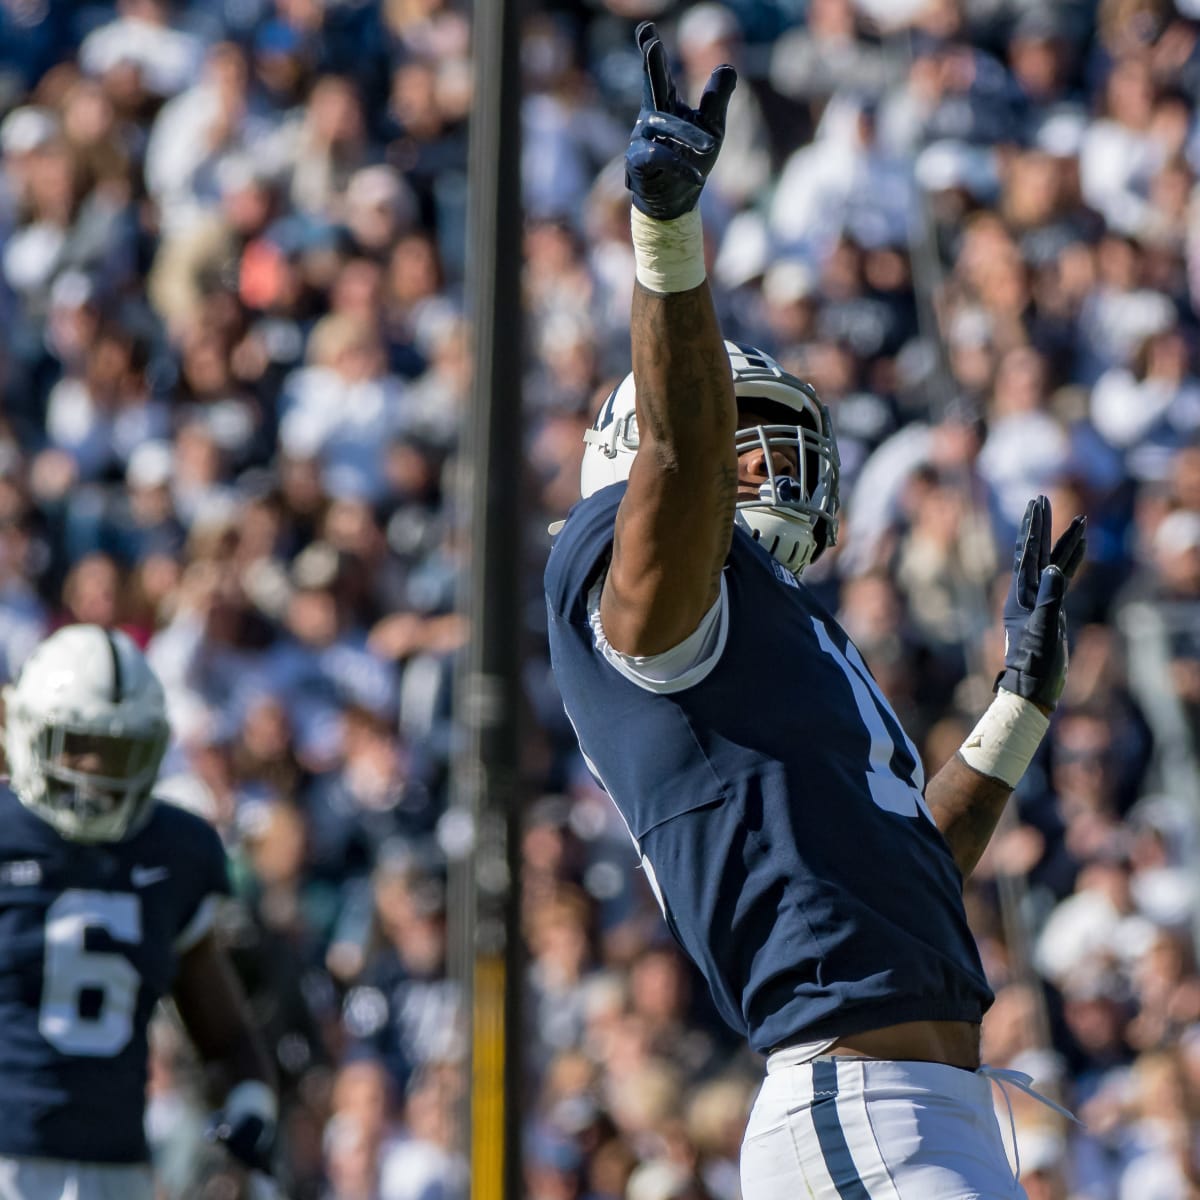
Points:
x=85, y=733
x=795, y=517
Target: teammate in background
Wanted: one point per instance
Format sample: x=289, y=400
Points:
x=107, y=902
x=779, y=809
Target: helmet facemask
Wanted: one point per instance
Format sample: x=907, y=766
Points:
x=795, y=516
x=94, y=784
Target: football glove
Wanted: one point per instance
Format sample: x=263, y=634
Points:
x=673, y=147
x=245, y=1127
x=1035, y=629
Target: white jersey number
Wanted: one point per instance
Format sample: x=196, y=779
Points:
x=888, y=790
x=71, y=970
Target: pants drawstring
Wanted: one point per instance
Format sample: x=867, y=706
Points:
x=1024, y=1083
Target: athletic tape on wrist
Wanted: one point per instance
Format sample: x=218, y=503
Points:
x=251, y=1098
x=669, y=254
x=1004, y=742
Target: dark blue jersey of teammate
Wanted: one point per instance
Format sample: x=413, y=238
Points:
x=778, y=807
x=90, y=936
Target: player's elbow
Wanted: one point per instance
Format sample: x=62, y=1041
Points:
x=691, y=455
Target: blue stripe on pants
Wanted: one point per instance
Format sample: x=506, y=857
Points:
x=830, y=1135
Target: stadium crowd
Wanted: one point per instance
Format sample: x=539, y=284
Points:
x=233, y=368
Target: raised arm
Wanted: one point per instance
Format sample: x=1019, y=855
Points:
x=969, y=793
x=675, y=522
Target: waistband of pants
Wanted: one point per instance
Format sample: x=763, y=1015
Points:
x=854, y=1073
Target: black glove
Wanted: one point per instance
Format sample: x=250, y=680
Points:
x=248, y=1137
x=673, y=147
x=1035, y=629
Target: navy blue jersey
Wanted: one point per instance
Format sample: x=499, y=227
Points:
x=90, y=937
x=778, y=806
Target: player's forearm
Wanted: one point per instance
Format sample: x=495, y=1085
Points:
x=246, y=1059
x=966, y=807
x=968, y=794
x=216, y=1014
x=685, y=404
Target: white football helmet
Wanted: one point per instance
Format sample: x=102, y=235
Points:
x=794, y=519
x=85, y=733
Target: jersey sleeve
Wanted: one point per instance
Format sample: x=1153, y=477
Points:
x=673, y=670
x=208, y=880
x=580, y=552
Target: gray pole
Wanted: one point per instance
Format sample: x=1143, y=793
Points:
x=486, y=952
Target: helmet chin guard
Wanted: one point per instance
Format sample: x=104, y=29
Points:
x=787, y=537
x=796, y=516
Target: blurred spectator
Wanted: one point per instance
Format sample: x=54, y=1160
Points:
x=1150, y=409
x=403, y=1009
x=343, y=407
x=199, y=130
x=812, y=61
x=25, y=619
x=845, y=183
x=708, y=35
x=142, y=40
x=330, y=145
x=426, y=1161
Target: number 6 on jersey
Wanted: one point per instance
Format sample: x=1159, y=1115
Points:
x=89, y=996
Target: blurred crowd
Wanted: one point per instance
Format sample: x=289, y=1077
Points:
x=233, y=371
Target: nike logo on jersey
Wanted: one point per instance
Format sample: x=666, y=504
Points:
x=144, y=876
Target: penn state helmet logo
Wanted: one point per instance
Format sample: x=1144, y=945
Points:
x=604, y=417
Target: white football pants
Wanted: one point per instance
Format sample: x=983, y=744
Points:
x=864, y=1129
x=54, y=1179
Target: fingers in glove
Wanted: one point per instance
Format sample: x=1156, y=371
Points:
x=1069, y=550
x=674, y=131
x=1044, y=543
x=715, y=100
x=1050, y=593
x=1027, y=568
x=658, y=90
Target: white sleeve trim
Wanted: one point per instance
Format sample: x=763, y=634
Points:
x=203, y=919
x=673, y=670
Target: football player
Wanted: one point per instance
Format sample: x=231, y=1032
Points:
x=107, y=902
x=779, y=809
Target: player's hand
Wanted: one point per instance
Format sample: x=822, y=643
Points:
x=673, y=147
x=248, y=1137
x=1035, y=629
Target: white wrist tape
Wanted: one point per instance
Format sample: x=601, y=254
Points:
x=251, y=1098
x=1004, y=742
x=669, y=254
